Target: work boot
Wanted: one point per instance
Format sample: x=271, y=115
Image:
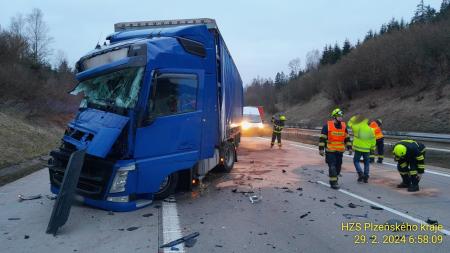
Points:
x=360, y=177
x=414, y=186
x=334, y=185
x=405, y=183
x=271, y=145
x=372, y=160
x=366, y=179
x=380, y=160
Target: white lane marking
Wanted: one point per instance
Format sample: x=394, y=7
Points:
x=391, y=164
x=446, y=232
x=171, y=225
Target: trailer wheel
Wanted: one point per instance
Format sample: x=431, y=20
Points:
x=167, y=187
x=229, y=157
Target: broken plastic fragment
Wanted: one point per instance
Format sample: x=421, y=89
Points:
x=254, y=199
x=22, y=197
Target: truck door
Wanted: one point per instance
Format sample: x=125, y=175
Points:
x=171, y=135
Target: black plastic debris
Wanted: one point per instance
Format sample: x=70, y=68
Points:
x=50, y=197
x=322, y=200
x=190, y=243
x=181, y=240
x=258, y=178
x=338, y=205
x=31, y=197
x=350, y=216
x=304, y=215
x=299, y=189
x=288, y=191
x=63, y=203
x=351, y=205
x=218, y=246
x=284, y=171
x=26, y=237
x=285, y=188
x=432, y=222
x=132, y=228
x=147, y=215
x=376, y=208
x=14, y=218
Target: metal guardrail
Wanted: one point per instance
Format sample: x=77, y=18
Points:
x=432, y=137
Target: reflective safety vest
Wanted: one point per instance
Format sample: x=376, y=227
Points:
x=377, y=130
x=336, y=137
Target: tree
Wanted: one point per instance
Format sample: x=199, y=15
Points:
x=347, y=47
x=294, y=65
x=337, y=53
x=38, y=36
x=17, y=25
x=424, y=13
x=312, y=60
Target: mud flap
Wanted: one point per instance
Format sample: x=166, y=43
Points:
x=63, y=203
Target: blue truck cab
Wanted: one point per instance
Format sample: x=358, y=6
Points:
x=162, y=106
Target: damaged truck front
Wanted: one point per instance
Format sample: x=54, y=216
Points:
x=162, y=106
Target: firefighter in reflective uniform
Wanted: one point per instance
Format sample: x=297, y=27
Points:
x=363, y=144
x=376, y=125
x=278, y=125
x=410, y=156
x=334, y=139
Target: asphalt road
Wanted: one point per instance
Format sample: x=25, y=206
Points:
x=296, y=211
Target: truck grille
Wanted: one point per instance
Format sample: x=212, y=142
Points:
x=94, y=178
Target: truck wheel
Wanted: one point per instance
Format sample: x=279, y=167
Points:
x=229, y=156
x=167, y=187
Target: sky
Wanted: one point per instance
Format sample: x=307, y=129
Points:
x=262, y=35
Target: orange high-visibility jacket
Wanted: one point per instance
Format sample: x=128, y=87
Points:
x=336, y=137
x=377, y=130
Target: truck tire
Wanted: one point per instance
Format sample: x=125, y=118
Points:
x=167, y=187
x=229, y=157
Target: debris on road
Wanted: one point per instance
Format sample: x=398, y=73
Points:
x=304, y=215
x=338, y=205
x=350, y=216
x=32, y=197
x=284, y=171
x=376, y=207
x=50, y=197
x=258, y=178
x=299, y=189
x=181, y=240
x=351, y=205
x=26, y=237
x=14, y=218
x=322, y=200
x=132, y=228
x=432, y=222
x=190, y=243
x=243, y=192
x=254, y=199
x=218, y=246
x=147, y=215
x=289, y=191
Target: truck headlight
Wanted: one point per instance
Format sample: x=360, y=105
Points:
x=120, y=180
x=261, y=125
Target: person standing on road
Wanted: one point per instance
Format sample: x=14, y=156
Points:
x=363, y=144
x=410, y=156
x=376, y=125
x=278, y=125
x=333, y=141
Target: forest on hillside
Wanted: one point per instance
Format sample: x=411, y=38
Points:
x=412, y=55
x=28, y=82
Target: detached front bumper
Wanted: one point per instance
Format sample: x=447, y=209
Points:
x=108, y=185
